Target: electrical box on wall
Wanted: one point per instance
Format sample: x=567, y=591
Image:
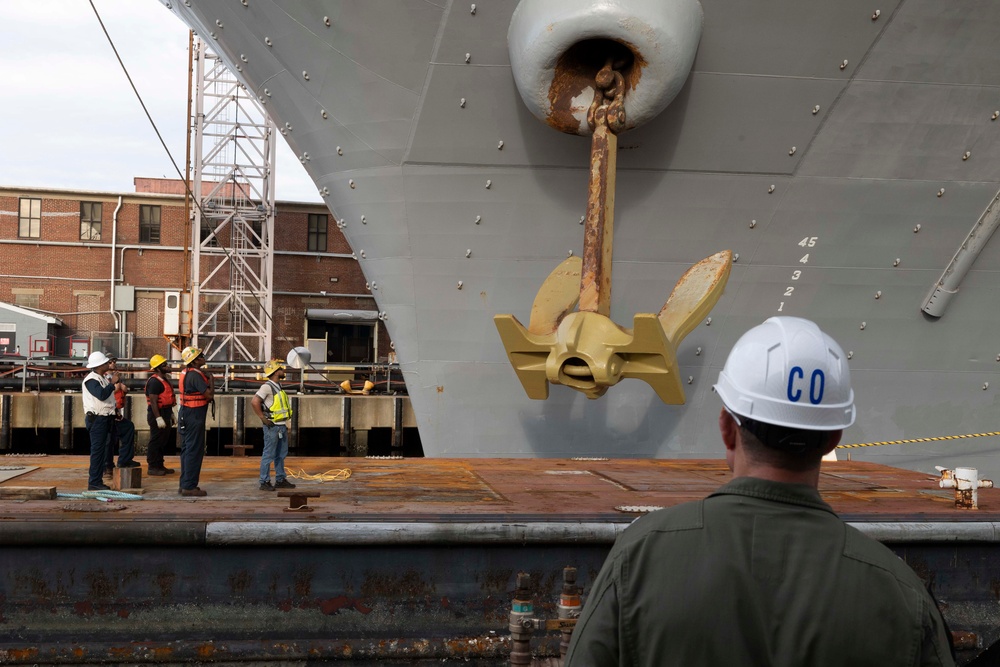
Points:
x=125, y=297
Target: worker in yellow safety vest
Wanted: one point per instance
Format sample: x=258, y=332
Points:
x=275, y=411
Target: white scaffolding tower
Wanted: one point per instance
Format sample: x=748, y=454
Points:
x=233, y=231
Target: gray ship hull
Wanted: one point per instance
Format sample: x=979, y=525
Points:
x=397, y=110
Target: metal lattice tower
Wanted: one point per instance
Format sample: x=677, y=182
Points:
x=233, y=231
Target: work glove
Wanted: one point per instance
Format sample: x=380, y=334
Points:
x=161, y=422
x=268, y=422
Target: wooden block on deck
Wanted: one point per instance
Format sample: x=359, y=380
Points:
x=298, y=501
x=125, y=479
x=239, y=450
x=27, y=492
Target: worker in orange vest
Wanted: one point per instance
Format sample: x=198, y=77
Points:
x=196, y=391
x=123, y=431
x=159, y=414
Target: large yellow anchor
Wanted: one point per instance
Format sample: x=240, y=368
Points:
x=585, y=349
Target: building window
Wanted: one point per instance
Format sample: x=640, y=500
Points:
x=90, y=220
x=29, y=224
x=149, y=224
x=317, y=232
x=28, y=298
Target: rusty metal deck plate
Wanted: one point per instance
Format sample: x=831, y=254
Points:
x=462, y=490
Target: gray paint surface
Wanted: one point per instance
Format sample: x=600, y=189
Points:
x=893, y=125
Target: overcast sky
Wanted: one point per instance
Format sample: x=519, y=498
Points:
x=68, y=117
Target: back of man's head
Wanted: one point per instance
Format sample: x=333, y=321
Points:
x=787, y=386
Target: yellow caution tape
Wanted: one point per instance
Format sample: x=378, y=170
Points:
x=907, y=442
x=328, y=476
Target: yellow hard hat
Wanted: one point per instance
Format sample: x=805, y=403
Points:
x=272, y=366
x=156, y=361
x=189, y=354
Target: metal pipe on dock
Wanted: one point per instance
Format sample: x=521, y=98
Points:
x=397, y=426
x=239, y=427
x=5, y=403
x=66, y=432
x=345, y=427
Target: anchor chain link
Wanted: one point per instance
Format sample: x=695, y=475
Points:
x=608, y=107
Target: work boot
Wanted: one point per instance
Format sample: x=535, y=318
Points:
x=284, y=484
x=193, y=492
x=109, y=472
x=130, y=464
x=102, y=487
x=266, y=486
x=157, y=472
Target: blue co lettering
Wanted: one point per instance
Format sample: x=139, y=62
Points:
x=817, y=385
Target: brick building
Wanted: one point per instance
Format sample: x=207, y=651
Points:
x=63, y=251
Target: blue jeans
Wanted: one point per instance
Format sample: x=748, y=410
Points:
x=275, y=449
x=122, y=434
x=191, y=424
x=99, y=429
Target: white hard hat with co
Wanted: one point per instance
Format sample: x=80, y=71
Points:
x=787, y=372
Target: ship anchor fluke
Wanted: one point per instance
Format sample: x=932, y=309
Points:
x=589, y=352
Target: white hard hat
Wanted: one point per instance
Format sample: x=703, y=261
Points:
x=97, y=359
x=787, y=372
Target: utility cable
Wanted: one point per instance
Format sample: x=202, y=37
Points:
x=328, y=476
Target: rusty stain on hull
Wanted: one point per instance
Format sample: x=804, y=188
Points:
x=574, y=78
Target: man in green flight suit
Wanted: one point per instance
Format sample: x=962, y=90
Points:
x=762, y=572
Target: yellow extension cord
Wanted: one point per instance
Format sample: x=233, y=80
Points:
x=328, y=476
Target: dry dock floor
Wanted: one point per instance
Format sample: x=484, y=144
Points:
x=442, y=489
